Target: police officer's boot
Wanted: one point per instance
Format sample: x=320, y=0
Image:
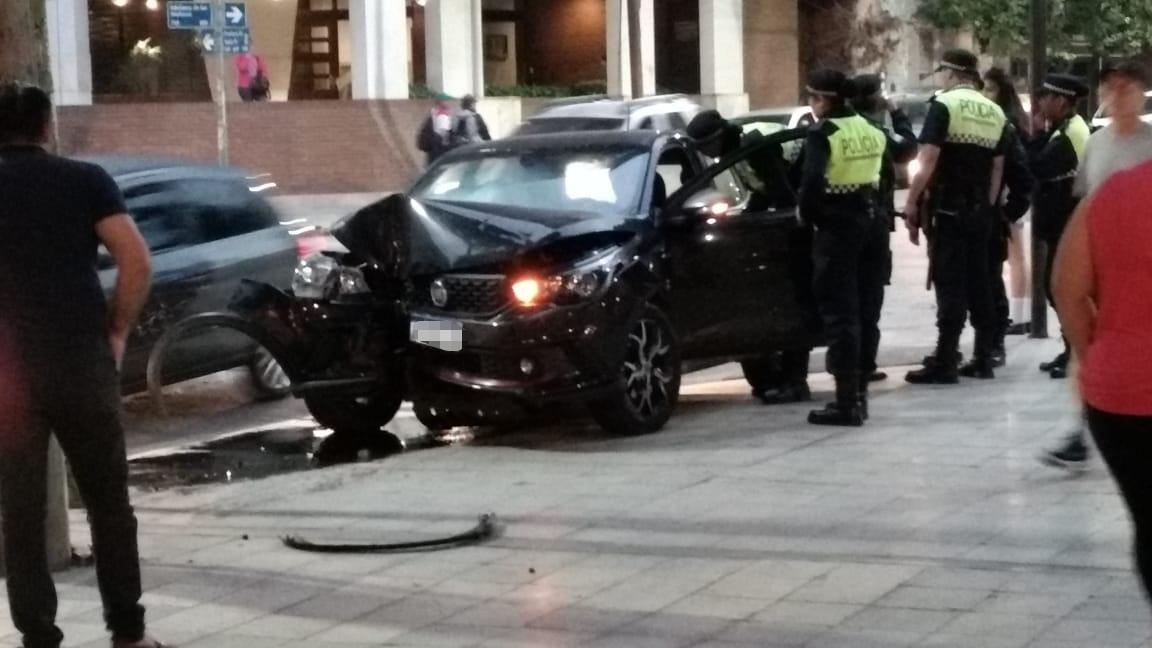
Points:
x=982, y=364
x=939, y=369
x=862, y=398
x=846, y=411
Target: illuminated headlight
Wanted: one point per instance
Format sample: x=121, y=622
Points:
x=322, y=277
x=563, y=289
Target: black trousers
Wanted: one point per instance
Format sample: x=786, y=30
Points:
x=838, y=254
x=961, y=242
x=875, y=273
x=77, y=399
x=1125, y=443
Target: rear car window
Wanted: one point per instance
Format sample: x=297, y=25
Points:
x=544, y=126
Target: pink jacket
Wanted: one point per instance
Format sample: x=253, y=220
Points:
x=246, y=67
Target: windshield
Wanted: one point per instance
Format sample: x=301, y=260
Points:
x=544, y=126
x=599, y=181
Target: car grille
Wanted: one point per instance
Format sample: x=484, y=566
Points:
x=471, y=294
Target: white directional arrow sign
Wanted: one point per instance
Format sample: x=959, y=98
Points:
x=236, y=14
x=208, y=42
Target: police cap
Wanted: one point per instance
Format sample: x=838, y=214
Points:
x=830, y=83
x=1063, y=85
x=960, y=60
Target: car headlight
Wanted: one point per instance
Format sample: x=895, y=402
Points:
x=322, y=277
x=571, y=287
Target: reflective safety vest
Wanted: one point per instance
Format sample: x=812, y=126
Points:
x=972, y=117
x=856, y=155
x=1077, y=132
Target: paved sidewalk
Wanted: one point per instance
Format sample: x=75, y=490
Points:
x=737, y=526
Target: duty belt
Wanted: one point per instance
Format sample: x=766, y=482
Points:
x=841, y=190
x=1060, y=178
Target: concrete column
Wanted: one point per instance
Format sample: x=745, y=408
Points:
x=69, y=51
x=619, y=58
x=453, y=44
x=722, y=55
x=379, y=49
x=771, y=34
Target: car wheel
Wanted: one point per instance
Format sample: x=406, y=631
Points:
x=761, y=373
x=354, y=413
x=268, y=377
x=650, y=378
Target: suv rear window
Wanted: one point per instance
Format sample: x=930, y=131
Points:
x=549, y=125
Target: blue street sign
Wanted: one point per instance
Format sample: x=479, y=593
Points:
x=189, y=15
x=236, y=41
x=235, y=14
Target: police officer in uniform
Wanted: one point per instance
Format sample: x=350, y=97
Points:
x=1055, y=159
x=962, y=150
x=839, y=195
x=876, y=258
x=779, y=377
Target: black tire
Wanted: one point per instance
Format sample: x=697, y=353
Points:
x=269, y=379
x=429, y=417
x=354, y=413
x=762, y=373
x=649, y=381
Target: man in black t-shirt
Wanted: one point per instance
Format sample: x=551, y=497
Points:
x=60, y=348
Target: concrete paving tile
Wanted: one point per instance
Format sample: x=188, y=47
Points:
x=1099, y=633
x=942, y=640
x=1048, y=605
x=919, y=622
x=531, y=638
x=864, y=638
x=225, y=641
x=679, y=627
x=789, y=635
x=858, y=584
x=712, y=606
x=282, y=626
x=341, y=605
x=804, y=613
x=983, y=624
x=959, y=578
x=926, y=598
x=1116, y=608
x=585, y=620
x=360, y=633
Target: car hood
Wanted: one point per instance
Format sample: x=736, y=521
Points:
x=453, y=237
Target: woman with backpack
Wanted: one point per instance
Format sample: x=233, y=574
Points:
x=252, y=77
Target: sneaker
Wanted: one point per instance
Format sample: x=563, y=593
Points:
x=1072, y=456
x=877, y=376
x=1023, y=328
x=796, y=393
x=146, y=642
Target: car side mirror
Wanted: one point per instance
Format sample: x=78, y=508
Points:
x=706, y=203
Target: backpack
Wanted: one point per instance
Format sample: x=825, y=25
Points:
x=261, y=87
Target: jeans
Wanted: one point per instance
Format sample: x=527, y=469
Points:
x=1125, y=443
x=76, y=397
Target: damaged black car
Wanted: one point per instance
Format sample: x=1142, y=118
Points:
x=525, y=274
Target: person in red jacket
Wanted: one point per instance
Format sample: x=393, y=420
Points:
x=252, y=77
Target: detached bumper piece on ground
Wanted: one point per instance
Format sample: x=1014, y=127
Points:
x=486, y=529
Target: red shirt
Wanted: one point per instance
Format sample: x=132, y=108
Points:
x=1116, y=375
x=246, y=67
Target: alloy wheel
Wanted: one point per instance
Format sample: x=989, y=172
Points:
x=647, y=369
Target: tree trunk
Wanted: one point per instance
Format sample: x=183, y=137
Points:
x=24, y=58
x=24, y=34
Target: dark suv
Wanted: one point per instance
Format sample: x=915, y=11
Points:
x=588, y=267
x=207, y=229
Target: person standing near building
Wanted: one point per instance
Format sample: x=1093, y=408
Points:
x=1054, y=159
x=1122, y=144
x=252, y=77
x=876, y=256
x=840, y=195
x=1102, y=285
x=962, y=167
x=60, y=349
x=435, y=136
x=1014, y=201
x=469, y=126
x=781, y=377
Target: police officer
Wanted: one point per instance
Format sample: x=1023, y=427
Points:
x=780, y=377
x=876, y=257
x=839, y=194
x=1055, y=158
x=961, y=170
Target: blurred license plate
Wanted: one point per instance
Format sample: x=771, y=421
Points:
x=446, y=335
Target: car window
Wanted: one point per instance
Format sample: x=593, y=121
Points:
x=759, y=176
x=673, y=170
x=546, y=125
x=676, y=121
x=164, y=216
x=227, y=208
